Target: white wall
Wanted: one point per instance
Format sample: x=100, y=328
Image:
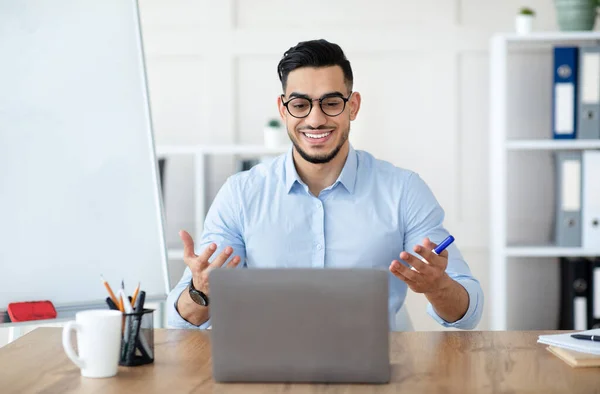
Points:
x=421, y=66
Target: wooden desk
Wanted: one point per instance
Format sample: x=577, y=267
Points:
x=422, y=362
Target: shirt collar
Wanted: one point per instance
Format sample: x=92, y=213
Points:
x=347, y=176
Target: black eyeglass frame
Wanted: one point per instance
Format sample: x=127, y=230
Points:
x=320, y=100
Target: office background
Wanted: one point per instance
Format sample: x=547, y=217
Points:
x=422, y=68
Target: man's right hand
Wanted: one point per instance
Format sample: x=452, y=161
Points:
x=200, y=269
x=199, y=265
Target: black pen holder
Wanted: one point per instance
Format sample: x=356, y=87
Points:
x=137, y=341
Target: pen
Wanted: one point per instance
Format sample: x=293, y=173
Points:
x=139, y=305
x=111, y=304
x=143, y=343
x=134, y=336
x=126, y=303
x=595, y=338
x=445, y=243
x=127, y=308
x=439, y=249
x=121, y=294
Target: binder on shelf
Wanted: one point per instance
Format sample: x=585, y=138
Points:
x=595, y=275
x=568, y=198
x=564, y=106
x=589, y=93
x=591, y=199
x=575, y=293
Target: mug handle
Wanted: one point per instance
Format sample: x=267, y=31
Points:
x=66, y=341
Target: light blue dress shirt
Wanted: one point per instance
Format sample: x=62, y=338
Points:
x=366, y=218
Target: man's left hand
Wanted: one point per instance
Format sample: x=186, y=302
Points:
x=426, y=277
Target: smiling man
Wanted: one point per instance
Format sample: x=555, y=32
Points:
x=326, y=205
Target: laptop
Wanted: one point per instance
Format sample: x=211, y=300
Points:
x=300, y=325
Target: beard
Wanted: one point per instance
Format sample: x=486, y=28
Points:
x=320, y=158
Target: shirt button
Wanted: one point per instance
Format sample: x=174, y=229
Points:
x=319, y=246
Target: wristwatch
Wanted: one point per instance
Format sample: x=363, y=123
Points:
x=198, y=296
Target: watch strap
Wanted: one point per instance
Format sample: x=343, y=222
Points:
x=198, y=296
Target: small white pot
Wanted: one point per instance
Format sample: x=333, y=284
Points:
x=275, y=137
x=524, y=24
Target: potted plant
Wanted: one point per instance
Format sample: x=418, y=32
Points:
x=576, y=15
x=274, y=134
x=524, y=20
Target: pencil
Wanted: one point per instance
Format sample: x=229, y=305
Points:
x=121, y=304
x=110, y=292
x=135, y=294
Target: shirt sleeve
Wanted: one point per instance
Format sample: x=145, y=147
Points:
x=223, y=226
x=423, y=217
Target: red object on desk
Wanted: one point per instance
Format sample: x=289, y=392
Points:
x=31, y=310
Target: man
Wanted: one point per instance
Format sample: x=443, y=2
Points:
x=324, y=204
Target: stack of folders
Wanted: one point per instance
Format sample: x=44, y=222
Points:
x=579, y=293
x=577, y=207
x=576, y=115
x=576, y=93
x=575, y=352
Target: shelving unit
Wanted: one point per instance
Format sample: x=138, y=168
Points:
x=547, y=251
x=200, y=154
x=503, y=144
x=551, y=144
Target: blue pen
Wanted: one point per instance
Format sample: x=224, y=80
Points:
x=445, y=243
x=440, y=248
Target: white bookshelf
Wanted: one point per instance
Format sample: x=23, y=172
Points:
x=548, y=251
x=513, y=145
x=200, y=153
x=551, y=37
x=203, y=150
x=505, y=142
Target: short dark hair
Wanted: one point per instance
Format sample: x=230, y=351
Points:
x=315, y=53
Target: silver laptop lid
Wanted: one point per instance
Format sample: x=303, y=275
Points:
x=300, y=325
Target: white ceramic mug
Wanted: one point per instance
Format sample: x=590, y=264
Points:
x=98, y=342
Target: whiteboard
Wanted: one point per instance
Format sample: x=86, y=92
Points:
x=79, y=187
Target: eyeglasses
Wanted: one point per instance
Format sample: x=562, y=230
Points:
x=300, y=107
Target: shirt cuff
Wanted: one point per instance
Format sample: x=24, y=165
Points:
x=175, y=320
x=473, y=315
